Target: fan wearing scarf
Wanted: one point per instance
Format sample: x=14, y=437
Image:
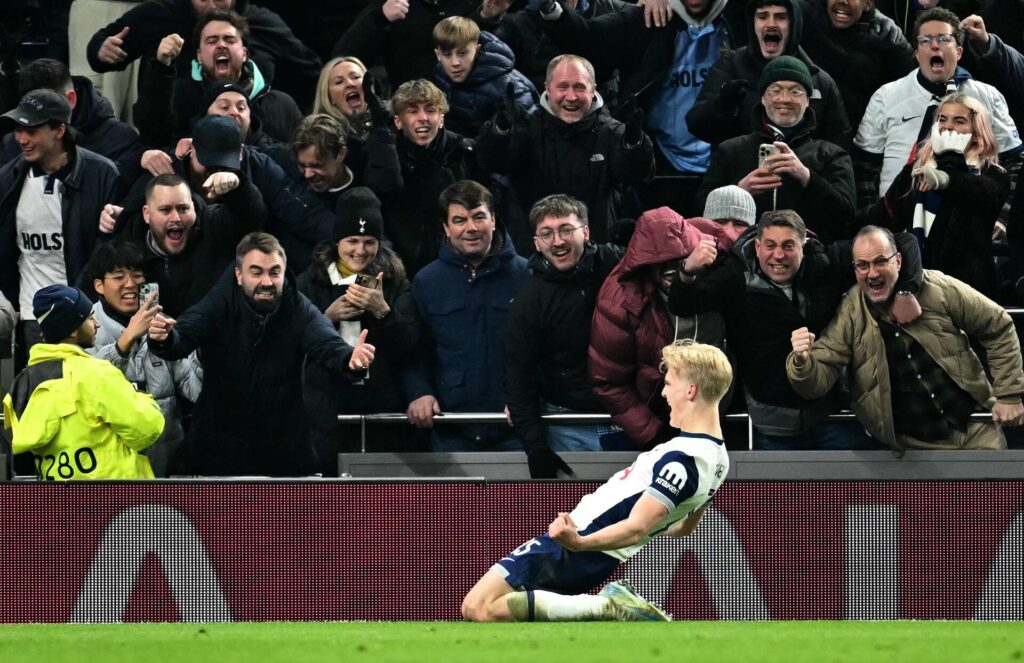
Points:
x=950, y=193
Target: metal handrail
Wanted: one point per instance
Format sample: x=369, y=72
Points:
x=578, y=419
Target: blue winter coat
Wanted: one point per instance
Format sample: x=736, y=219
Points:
x=462, y=317
x=475, y=100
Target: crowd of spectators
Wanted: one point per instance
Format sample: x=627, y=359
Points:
x=285, y=212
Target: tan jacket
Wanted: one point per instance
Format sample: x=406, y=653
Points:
x=952, y=312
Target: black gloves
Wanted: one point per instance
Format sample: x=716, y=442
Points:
x=545, y=463
x=510, y=112
x=633, y=117
x=379, y=114
x=732, y=93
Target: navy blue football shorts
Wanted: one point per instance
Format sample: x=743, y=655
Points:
x=541, y=563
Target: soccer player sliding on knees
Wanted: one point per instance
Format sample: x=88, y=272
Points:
x=664, y=492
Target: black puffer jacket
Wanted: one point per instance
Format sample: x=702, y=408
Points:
x=714, y=120
x=405, y=47
x=547, y=337
x=827, y=203
x=249, y=419
x=409, y=188
x=475, y=100
x=861, y=58
x=162, y=123
x=587, y=159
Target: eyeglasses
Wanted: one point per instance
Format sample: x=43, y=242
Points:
x=776, y=92
x=121, y=277
x=863, y=266
x=564, y=233
x=941, y=40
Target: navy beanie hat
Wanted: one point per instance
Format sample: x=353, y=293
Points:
x=60, y=310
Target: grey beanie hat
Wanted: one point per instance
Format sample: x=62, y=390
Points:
x=730, y=202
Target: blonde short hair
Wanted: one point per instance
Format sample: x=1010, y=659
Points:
x=455, y=32
x=418, y=91
x=705, y=365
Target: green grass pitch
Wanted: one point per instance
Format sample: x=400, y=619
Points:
x=454, y=642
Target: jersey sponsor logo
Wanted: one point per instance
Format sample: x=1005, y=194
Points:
x=687, y=78
x=42, y=241
x=672, y=477
x=904, y=119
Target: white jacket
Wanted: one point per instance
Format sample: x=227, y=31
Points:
x=164, y=380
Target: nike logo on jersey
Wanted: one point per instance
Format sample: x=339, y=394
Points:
x=908, y=119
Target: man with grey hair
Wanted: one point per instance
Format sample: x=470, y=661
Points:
x=569, y=145
x=915, y=385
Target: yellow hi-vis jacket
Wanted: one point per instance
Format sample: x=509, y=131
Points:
x=80, y=417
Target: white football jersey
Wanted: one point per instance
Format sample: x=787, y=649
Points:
x=894, y=115
x=683, y=474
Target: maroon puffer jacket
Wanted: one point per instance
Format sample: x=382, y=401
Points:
x=631, y=322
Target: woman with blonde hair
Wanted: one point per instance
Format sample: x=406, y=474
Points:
x=951, y=193
x=339, y=93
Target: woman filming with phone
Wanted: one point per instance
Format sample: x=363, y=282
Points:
x=951, y=194
x=359, y=283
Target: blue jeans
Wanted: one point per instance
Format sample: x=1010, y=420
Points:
x=828, y=435
x=570, y=438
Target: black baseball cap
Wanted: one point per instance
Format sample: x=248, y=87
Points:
x=38, y=107
x=217, y=142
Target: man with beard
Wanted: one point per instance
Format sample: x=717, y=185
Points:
x=900, y=114
x=914, y=386
x=569, y=145
x=221, y=56
x=728, y=101
x=254, y=330
x=188, y=241
x=811, y=176
x=78, y=416
x=139, y=32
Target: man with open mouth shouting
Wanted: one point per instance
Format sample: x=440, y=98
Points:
x=727, y=102
x=900, y=114
x=221, y=56
x=255, y=331
x=915, y=385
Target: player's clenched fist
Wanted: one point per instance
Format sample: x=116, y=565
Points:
x=802, y=340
